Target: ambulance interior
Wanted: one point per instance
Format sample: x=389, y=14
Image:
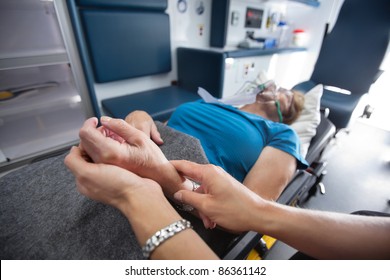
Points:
x=63, y=61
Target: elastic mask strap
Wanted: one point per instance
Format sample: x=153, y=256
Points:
x=277, y=104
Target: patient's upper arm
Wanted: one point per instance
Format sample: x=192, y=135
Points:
x=271, y=173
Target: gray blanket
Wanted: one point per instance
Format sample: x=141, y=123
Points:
x=42, y=216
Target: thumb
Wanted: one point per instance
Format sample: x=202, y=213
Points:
x=195, y=199
x=189, y=197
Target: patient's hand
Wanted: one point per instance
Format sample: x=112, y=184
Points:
x=144, y=122
x=121, y=144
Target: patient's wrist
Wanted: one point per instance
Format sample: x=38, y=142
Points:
x=171, y=181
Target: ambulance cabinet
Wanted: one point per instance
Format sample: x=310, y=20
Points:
x=40, y=107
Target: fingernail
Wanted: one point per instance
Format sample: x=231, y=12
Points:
x=105, y=119
x=207, y=224
x=178, y=196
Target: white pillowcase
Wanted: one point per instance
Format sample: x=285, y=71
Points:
x=306, y=125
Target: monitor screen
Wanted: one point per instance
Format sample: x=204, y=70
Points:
x=253, y=18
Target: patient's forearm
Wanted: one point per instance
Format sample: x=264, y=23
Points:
x=325, y=235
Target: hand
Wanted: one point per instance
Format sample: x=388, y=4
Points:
x=140, y=200
x=223, y=200
x=121, y=144
x=118, y=143
x=110, y=184
x=144, y=122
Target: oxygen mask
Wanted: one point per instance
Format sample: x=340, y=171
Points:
x=275, y=95
x=248, y=93
x=268, y=94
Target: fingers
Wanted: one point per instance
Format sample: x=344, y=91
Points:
x=89, y=132
x=91, y=122
x=108, y=133
x=155, y=135
x=188, y=197
x=78, y=166
x=148, y=128
x=197, y=172
x=206, y=221
x=76, y=162
x=93, y=140
x=129, y=133
x=190, y=169
x=197, y=201
x=144, y=122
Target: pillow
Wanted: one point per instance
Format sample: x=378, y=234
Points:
x=306, y=124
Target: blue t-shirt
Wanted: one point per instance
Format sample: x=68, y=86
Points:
x=234, y=139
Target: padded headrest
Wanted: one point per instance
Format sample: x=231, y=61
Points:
x=160, y=5
x=127, y=44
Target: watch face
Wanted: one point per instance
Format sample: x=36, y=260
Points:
x=182, y=6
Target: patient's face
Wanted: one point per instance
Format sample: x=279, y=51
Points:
x=285, y=98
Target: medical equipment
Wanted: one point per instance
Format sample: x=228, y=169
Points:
x=256, y=87
x=242, y=97
x=248, y=96
x=232, y=100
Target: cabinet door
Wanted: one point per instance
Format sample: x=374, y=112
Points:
x=40, y=107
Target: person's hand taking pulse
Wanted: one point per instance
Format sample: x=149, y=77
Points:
x=322, y=235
